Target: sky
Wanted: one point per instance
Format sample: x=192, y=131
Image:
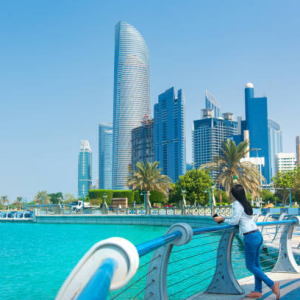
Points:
x=56, y=74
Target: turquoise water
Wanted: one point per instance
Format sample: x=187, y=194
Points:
x=35, y=259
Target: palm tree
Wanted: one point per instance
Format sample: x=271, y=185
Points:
x=228, y=164
x=19, y=202
x=42, y=197
x=148, y=178
x=4, y=200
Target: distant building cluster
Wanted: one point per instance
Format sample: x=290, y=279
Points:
x=135, y=136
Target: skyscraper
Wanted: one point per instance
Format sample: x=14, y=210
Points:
x=211, y=102
x=257, y=124
x=142, y=144
x=275, y=144
x=298, y=150
x=105, y=156
x=169, y=133
x=84, y=169
x=208, y=136
x=131, y=96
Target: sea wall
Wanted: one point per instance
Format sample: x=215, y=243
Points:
x=194, y=221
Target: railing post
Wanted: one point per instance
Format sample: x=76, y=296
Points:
x=263, y=229
x=224, y=281
x=157, y=277
x=279, y=229
x=286, y=261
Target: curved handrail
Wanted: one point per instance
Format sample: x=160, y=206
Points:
x=99, y=284
x=276, y=222
x=154, y=244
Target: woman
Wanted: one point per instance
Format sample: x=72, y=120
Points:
x=242, y=216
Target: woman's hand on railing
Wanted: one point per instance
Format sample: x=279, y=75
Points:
x=219, y=219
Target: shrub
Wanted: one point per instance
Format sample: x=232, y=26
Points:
x=96, y=196
x=137, y=197
x=157, y=197
x=124, y=194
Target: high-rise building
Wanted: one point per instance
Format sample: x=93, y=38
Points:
x=257, y=124
x=142, y=141
x=169, y=133
x=84, y=169
x=105, y=156
x=275, y=144
x=208, y=135
x=298, y=150
x=285, y=162
x=211, y=102
x=131, y=96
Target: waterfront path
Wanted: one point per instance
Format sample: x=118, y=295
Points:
x=289, y=288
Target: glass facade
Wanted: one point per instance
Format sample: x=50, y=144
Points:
x=275, y=144
x=212, y=103
x=84, y=169
x=131, y=96
x=208, y=136
x=142, y=144
x=169, y=133
x=105, y=156
x=257, y=124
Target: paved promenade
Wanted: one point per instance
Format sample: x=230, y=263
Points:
x=289, y=288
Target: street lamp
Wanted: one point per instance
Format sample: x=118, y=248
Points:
x=209, y=195
x=144, y=193
x=183, y=198
x=213, y=190
x=235, y=178
x=290, y=197
x=104, y=206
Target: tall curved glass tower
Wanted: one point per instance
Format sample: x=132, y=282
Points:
x=131, y=96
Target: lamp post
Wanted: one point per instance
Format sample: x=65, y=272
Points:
x=209, y=195
x=234, y=180
x=183, y=198
x=144, y=193
x=43, y=202
x=183, y=202
x=290, y=197
x=104, y=206
x=213, y=192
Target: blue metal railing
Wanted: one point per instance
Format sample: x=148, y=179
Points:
x=149, y=246
x=99, y=284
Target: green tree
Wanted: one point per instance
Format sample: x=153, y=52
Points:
x=221, y=195
x=69, y=198
x=42, y=197
x=4, y=200
x=228, y=164
x=55, y=198
x=19, y=202
x=267, y=196
x=148, y=178
x=286, y=182
x=195, y=183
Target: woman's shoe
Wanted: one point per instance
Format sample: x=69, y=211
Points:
x=276, y=290
x=254, y=295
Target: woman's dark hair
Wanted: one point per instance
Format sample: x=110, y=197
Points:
x=239, y=194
